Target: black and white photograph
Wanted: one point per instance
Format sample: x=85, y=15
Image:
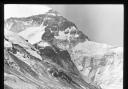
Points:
x=63, y=46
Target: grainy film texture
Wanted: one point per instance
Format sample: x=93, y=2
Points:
x=47, y=51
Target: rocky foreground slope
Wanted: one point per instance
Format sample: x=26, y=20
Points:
x=47, y=51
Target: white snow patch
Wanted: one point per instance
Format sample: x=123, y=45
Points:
x=32, y=34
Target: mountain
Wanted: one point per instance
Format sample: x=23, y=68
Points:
x=50, y=27
x=47, y=51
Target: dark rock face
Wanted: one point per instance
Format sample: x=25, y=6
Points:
x=62, y=58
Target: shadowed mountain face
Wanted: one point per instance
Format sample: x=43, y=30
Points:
x=47, y=51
